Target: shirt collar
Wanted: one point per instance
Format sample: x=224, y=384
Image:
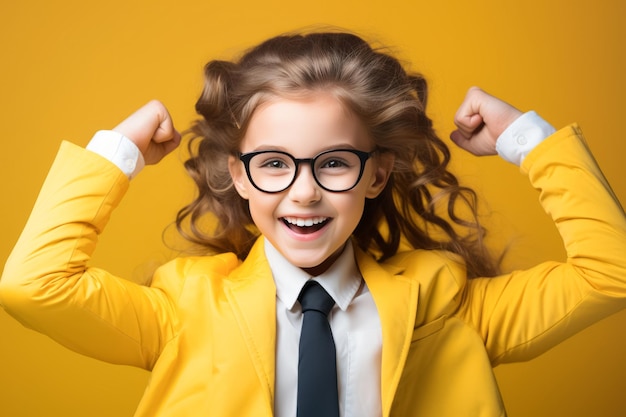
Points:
x=342, y=280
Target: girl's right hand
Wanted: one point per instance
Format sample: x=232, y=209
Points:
x=151, y=129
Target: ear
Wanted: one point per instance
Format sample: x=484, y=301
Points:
x=238, y=175
x=378, y=180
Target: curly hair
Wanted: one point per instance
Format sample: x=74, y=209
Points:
x=422, y=206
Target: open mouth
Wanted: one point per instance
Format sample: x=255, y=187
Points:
x=305, y=226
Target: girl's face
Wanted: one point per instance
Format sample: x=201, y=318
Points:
x=306, y=223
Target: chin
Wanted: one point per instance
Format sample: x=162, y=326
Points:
x=306, y=264
x=317, y=267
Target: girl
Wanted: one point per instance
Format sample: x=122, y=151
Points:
x=316, y=157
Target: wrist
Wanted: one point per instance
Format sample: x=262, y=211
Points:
x=119, y=150
x=522, y=136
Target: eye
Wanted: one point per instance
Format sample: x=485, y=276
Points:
x=272, y=161
x=337, y=160
x=334, y=163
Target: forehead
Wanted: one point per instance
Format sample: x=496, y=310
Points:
x=304, y=126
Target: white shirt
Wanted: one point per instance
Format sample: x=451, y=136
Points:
x=354, y=319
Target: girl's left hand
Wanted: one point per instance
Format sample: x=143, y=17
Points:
x=480, y=120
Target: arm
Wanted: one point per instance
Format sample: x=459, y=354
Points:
x=47, y=284
x=522, y=314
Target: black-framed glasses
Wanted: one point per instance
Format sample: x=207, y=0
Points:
x=335, y=170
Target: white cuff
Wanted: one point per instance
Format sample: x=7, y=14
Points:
x=118, y=149
x=522, y=136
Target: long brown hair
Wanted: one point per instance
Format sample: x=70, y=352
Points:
x=423, y=204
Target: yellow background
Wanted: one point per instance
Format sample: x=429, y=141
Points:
x=69, y=68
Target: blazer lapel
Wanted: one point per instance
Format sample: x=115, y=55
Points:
x=252, y=295
x=396, y=301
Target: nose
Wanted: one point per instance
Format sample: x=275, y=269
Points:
x=305, y=189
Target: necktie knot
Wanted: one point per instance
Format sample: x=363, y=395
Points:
x=314, y=297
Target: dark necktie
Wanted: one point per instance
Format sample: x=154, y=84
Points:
x=317, y=367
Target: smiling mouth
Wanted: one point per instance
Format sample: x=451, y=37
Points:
x=305, y=226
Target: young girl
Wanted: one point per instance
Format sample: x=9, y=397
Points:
x=316, y=157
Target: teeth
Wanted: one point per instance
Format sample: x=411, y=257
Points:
x=305, y=222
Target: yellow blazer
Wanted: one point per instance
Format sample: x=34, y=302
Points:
x=205, y=326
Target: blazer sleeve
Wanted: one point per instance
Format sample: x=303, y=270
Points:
x=522, y=314
x=48, y=286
